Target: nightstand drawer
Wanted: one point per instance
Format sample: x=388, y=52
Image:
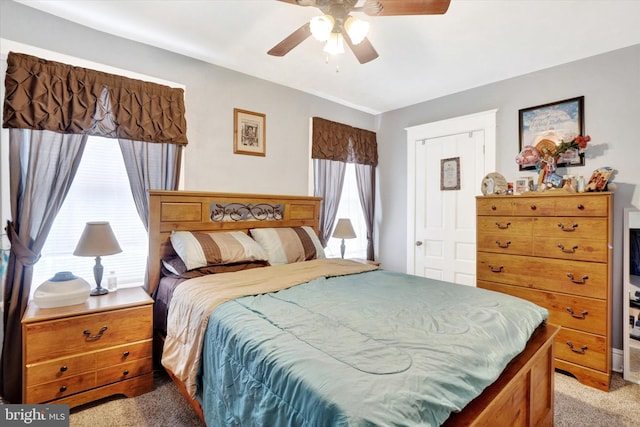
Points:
x=60, y=368
x=81, y=334
x=60, y=388
x=124, y=353
x=124, y=371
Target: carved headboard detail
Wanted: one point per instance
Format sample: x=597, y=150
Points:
x=211, y=212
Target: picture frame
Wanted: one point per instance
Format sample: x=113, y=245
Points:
x=548, y=125
x=249, y=133
x=450, y=173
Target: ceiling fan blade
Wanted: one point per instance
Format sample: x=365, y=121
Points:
x=291, y=41
x=364, y=50
x=406, y=7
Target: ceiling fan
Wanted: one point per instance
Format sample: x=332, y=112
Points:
x=337, y=24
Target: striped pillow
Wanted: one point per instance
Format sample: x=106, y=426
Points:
x=201, y=249
x=288, y=244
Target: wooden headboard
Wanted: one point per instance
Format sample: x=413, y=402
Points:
x=210, y=212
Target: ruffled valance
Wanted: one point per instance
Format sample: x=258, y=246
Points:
x=343, y=143
x=48, y=95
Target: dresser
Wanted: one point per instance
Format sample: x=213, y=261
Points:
x=555, y=249
x=80, y=353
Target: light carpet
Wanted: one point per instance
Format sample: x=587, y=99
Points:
x=575, y=405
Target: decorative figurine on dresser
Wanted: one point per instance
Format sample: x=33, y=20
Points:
x=554, y=248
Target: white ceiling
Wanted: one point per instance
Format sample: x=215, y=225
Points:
x=421, y=57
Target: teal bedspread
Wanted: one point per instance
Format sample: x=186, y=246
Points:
x=370, y=349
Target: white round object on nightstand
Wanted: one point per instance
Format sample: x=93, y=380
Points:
x=62, y=289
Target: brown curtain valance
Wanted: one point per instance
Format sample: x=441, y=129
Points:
x=48, y=95
x=343, y=143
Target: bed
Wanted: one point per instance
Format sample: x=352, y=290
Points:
x=257, y=346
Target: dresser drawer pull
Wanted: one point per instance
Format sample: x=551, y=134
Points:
x=582, y=315
x=502, y=227
x=567, y=251
x=63, y=389
x=503, y=245
x=576, y=281
x=581, y=207
x=533, y=207
x=493, y=207
x=125, y=354
x=63, y=368
x=126, y=372
x=567, y=229
x=581, y=350
x=94, y=337
x=496, y=269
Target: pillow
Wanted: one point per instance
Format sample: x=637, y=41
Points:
x=202, y=249
x=174, y=267
x=288, y=244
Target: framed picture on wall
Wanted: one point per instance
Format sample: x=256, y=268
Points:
x=544, y=127
x=450, y=174
x=249, y=132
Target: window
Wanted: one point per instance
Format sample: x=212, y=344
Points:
x=99, y=192
x=351, y=208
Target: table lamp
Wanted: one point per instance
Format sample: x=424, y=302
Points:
x=97, y=240
x=344, y=230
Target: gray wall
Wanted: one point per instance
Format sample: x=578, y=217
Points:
x=610, y=84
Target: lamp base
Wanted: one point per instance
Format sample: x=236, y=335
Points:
x=98, y=291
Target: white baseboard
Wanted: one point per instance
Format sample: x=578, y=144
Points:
x=617, y=362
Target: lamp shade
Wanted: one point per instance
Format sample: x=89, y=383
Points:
x=97, y=240
x=344, y=229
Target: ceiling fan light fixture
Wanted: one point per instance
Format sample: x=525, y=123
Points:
x=335, y=44
x=321, y=27
x=356, y=29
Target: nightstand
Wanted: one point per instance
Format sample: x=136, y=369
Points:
x=80, y=353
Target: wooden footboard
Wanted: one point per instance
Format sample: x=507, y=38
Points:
x=522, y=396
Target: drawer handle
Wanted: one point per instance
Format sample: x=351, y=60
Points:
x=581, y=350
x=496, y=269
x=126, y=372
x=63, y=368
x=582, y=315
x=567, y=251
x=493, y=207
x=503, y=245
x=502, y=227
x=567, y=229
x=63, y=389
x=576, y=281
x=581, y=207
x=125, y=354
x=94, y=337
x=533, y=207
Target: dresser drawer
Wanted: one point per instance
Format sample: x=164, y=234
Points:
x=124, y=371
x=505, y=226
x=569, y=277
x=533, y=206
x=582, y=348
x=60, y=388
x=583, y=314
x=564, y=226
x=582, y=206
x=571, y=248
x=81, y=334
x=516, y=245
x=494, y=206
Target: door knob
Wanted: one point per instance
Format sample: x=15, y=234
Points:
x=419, y=243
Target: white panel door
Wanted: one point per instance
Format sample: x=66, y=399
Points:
x=441, y=224
x=445, y=219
